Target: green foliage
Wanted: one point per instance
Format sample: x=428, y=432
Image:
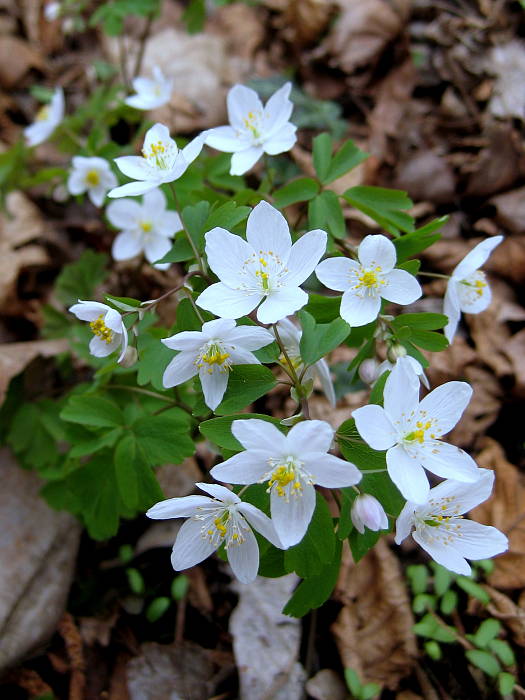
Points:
x=317, y=548
x=385, y=206
x=327, y=167
x=324, y=212
x=358, y=690
x=111, y=15
x=420, y=239
x=218, y=430
x=301, y=190
x=246, y=383
x=318, y=339
x=78, y=280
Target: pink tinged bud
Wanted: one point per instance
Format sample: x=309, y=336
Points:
x=368, y=371
x=368, y=512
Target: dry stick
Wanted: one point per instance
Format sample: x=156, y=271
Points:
x=142, y=46
x=180, y=619
x=122, y=60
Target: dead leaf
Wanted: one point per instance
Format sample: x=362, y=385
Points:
x=17, y=57
x=498, y=164
x=507, y=63
x=515, y=351
x=266, y=642
x=426, y=176
x=510, y=208
x=504, y=511
x=326, y=685
x=302, y=21
x=506, y=610
x=373, y=631
x=14, y=357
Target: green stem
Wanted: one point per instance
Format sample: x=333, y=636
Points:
x=434, y=274
x=192, y=302
x=198, y=258
x=292, y=373
x=138, y=390
x=143, y=39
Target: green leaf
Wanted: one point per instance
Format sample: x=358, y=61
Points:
x=194, y=16
x=78, y=280
x=433, y=650
x=313, y=592
x=323, y=309
x=157, y=608
x=246, y=383
x=421, y=321
x=318, y=340
x=317, y=548
x=503, y=651
x=355, y=450
x=418, y=576
x=361, y=544
x=429, y=340
x=429, y=627
x=484, y=660
x=473, y=589
x=324, y=212
x=322, y=155
x=352, y=681
x=442, y=578
x=385, y=206
x=423, y=602
x=346, y=159
x=124, y=458
x=218, y=430
x=487, y=631
x=92, y=410
x=417, y=241
x=95, y=443
x=228, y=216
x=154, y=357
x=164, y=438
x=301, y=190
x=506, y=683
x=449, y=602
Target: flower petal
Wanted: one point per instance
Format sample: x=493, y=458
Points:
x=179, y=370
x=219, y=492
x=447, y=461
x=192, y=149
x=225, y=138
x=99, y=347
x=471, y=304
x=445, y=405
x=226, y=302
x=156, y=247
x=76, y=182
x=335, y=273
x=243, y=468
x=240, y=101
x=281, y=303
x=124, y=214
x=359, y=310
x=186, y=340
x=267, y=230
x=190, y=547
x=88, y=310
x=451, y=309
x=154, y=202
x=136, y=167
x=407, y=474
x=401, y=287
x=278, y=110
x=244, y=557
x=97, y=195
x=476, y=258
x=405, y=522
x=330, y=471
x=177, y=507
x=226, y=255
x=401, y=394
x=375, y=427
x=250, y=337
x=377, y=251
x=322, y=370
x=291, y=518
x=168, y=223
x=304, y=256
x=260, y=522
x=126, y=246
x=464, y=496
x=281, y=141
x=244, y=160
x=240, y=356
x=310, y=436
x=442, y=554
x=213, y=386
x=130, y=189
x=257, y=434
x=476, y=541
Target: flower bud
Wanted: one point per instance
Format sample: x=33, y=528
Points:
x=130, y=357
x=368, y=370
x=395, y=351
x=367, y=511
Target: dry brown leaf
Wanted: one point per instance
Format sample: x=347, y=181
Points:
x=505, y=511
x=16, y=58
x=515, y=351
x=426, y=176
x=326, y=685
x=506, y=610
x=499, y=164
x=510, y=208
x=373, y=631
x=302, y=21
x=507, y=63
x=14, y=357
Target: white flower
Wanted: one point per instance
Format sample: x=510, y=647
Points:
x=411, y=431
x=254, y=129
x=291, y=464
x=366, y=280
x=210, y=353
x=368, y=512
x=443, y=532
x=224, y=518
x=106, y=325
x=52, y=11
x=151, y=92
x=266, y=267
x=467, y=289
x=47, y=119
x=145, y=228
x=386, y=366
x=92, y=175
x=161, y=161
x=290, y=335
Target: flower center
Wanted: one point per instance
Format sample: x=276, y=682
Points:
x=158, y=155
x=92, y=178
x=146, y=226
x=472, y=288
x=100, y=329
x=368, y=281
x=251, y=123
x=267, y=268
x=213, y=354
x=419, y=434
x=286, y=477
x=221, y=524
x=43, y=114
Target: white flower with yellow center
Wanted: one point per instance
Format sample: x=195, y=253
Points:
x=290, y=465
x=467, y=289
x=265, y=268
x=145, y=228
x=411, y=431
x=211, y=353
x=368, y=280
x=151, y=92
x=161, y=161
x=440, y=529
x=47, y=119
x=290, y=335
x=222, y=519
x=92, y=175
x=107, y=326
x=254, y=129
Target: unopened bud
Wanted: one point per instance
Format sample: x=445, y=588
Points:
x=368, y=370
x=396, y=351
x=130, y=357
x=368, y=512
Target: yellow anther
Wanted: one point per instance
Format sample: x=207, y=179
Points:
x=220, y=527
x=100, y=329
x=42, y=114
x=263, y=262
x=146, y=226
x=92, y=178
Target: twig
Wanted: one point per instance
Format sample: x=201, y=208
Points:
x=142, y=46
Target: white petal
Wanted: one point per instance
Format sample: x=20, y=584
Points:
x=187, y=340
x=240, y=101
x=224, y=138
x=177, y=507
x=99, y=347
x=283, y=302
x=193, y=148
x=240, y=356
x=447, y=461
x=76, y=182
x=477, y=304
x=266, y=229
x=190, y=547
x=260, y=522
x=168, y=223
x=242, y=161
x=401, y=287
x=243, y=468
x=88, y=310
x=377, y=251
x=442, y=554
x=179, y=370
x=226, y=302
x=407, y=474
x=123, y=214
x=405, y=522
x=335, y=273
x=257, y=434
x=291, y=518
x=310, y=436
x=323, y=372
x=357, y=310
x=445, y=404
x=226, y=255
x=219, y=492
x=281, y=141
x=97, y=195
x=38, y=132
x=374, y=426
x=476, y=258
x=278, y=110
x=304, y=256
x=156, y=247
x=476, y=541
x=463, y=496
x=126, y=246
x=154, y=202
x=213, y=386
x=289, y=333
x=330, y=471
x=113, y=320
x=131, y=189
x=401, y=394
x=136, y=167
x=244, y=557
x=250, y=337
x=219, y=328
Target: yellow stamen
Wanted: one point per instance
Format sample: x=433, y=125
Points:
x=100, y=329
x=92, y=178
